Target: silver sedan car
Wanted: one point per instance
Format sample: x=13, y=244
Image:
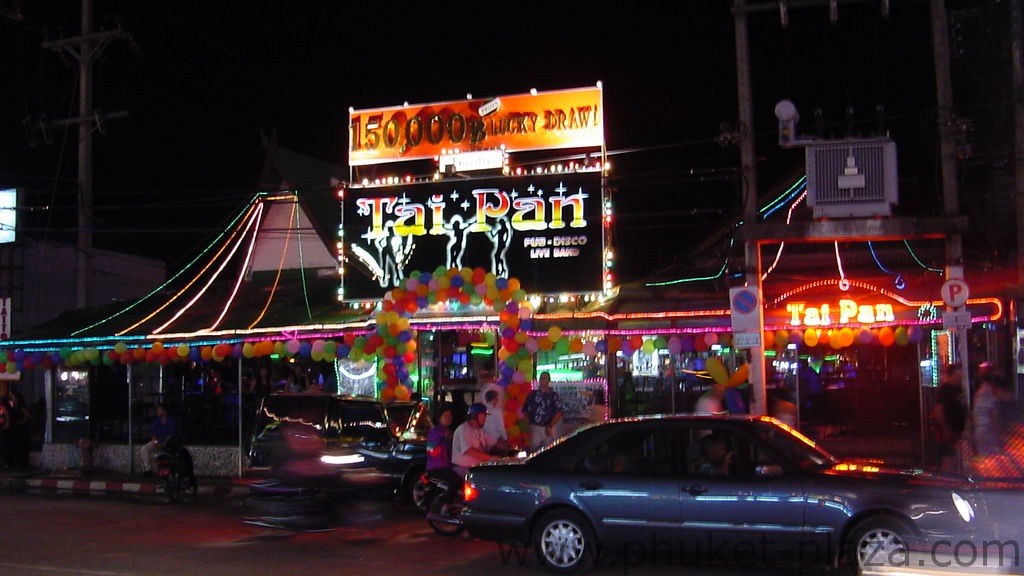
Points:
x=729, y=490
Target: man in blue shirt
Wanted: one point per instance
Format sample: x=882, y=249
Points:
x=163, y=427
x=543, y=410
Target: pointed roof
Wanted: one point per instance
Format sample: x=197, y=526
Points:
x=269, y=271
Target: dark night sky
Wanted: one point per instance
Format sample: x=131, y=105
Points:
x=203, y=79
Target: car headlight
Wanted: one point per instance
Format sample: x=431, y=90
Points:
x=963, y=507
x=342, y=459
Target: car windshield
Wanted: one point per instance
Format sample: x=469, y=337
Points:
x=794, y=446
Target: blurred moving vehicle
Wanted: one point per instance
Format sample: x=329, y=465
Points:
x=365, y=442
x=651, y=485
x=342, y=422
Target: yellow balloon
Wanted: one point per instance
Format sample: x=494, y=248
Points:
x=554, y=333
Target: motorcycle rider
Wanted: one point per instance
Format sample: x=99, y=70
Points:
x=163, y=427
x=470, y=443
x=439, y=448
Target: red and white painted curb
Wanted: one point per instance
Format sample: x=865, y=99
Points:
x=82, y=485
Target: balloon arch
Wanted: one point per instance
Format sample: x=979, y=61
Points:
x=395, y=342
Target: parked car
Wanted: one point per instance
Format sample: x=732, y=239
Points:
x=647, y=485
x=403, y=459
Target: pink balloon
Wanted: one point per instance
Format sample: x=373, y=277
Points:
x=675, y=345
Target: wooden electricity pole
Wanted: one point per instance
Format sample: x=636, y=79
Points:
x=85, y=48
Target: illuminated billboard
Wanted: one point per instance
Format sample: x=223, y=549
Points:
x=545, y=229
x=556, y=119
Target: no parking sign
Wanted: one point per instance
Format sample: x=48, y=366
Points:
x=745, y=305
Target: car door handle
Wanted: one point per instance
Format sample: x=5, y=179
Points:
x=591, y=485
x=696, y=489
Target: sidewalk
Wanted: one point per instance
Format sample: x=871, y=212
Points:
x=104, y=481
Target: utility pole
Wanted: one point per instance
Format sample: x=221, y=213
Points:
x=1017, y=59
x=948, y=165
x=85, y=48
x=748, y=177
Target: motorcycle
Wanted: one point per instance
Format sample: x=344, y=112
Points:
x=444, y=513
x=174, y=467
x=423, y=492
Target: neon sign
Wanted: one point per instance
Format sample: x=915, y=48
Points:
x=848, y=311
x=546, y=230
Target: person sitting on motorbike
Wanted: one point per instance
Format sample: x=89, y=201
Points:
x=163, y=427
x=439, y=447
x=471, y=445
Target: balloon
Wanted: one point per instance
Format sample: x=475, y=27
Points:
x=811, y=338
x=886, y=336
x=648, y=347
x=686, y=343
x=554, y=333
x=781, y=338
x=675, y=345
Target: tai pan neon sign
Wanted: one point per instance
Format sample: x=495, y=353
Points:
x=848, y=311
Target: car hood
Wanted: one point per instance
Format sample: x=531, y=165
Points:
x=875, y=469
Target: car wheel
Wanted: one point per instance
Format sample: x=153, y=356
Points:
x=877, y=543
x=564, y=542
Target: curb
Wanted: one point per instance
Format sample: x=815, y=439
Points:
x=115, y=486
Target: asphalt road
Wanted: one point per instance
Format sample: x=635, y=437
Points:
x=117, y=535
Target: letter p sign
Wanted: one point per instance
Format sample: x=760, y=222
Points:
x=955, y=293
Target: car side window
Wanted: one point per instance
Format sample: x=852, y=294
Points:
x=637, y=451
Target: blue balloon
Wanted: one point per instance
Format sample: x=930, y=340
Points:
x=601, y=346
x=501, y=283
x=457, y=281
x=343, y=351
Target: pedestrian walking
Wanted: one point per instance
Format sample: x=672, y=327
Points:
x=948, y=419
x=985, y=413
